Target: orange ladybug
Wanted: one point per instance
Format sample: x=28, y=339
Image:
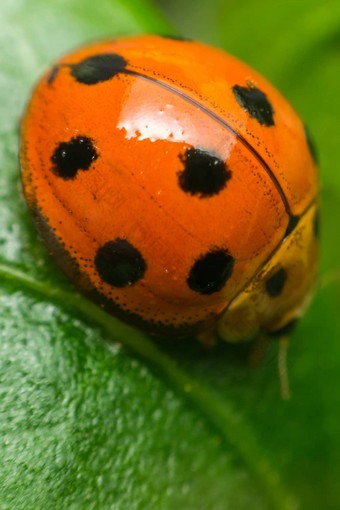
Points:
x=174, y=186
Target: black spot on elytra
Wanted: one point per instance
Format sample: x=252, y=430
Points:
x=311, y=145
x=98, y=68
x=256, y=103
x=119, y=263
x=211, y=271
x=53, y=74
x=293, y=221
x=275, y=284
x=204, y=174
x=284, y=330
x=76, y=154
x=176, y=37
x=316, y=224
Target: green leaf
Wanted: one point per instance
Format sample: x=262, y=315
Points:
x=93, y=414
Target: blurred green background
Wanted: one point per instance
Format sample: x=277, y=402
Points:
x=92, y=413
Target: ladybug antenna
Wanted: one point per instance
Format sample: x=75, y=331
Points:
x=282, y=366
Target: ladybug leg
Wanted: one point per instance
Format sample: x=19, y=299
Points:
x=282, y=366
x=207, y=339
x=256, y=355
x=259, y=348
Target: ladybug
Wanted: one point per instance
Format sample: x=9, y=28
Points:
x=174, y=186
